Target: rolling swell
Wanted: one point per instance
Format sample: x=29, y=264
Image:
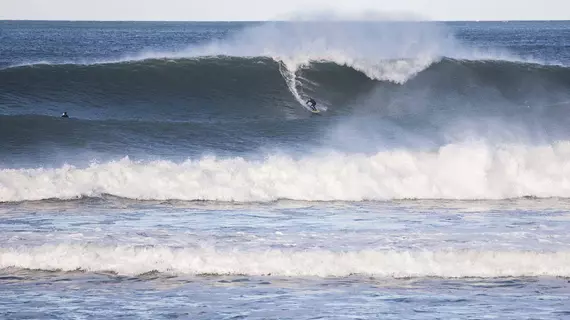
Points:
x=27, y=139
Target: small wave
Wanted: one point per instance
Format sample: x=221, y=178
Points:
x=137, y=260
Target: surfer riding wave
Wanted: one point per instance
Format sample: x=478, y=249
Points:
x=311, y=103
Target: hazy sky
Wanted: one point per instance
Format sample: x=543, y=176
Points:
x=272, y=9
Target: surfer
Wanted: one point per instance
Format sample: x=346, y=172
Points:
x=312, y=104
x=64, y=115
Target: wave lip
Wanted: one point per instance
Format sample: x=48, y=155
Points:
x=455, y=171
x=382, y=50
x=136, y=260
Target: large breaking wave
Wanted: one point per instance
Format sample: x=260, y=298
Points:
x=259, y=70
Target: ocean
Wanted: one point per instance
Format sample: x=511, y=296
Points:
x=191, y=181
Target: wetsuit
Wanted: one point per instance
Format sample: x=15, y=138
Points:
x=312, y=103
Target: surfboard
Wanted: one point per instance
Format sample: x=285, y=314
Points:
x=315, y=110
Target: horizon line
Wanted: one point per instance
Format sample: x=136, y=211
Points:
x=258, y=21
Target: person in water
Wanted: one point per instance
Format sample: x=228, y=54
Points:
x=64, y=115
x=312, y=104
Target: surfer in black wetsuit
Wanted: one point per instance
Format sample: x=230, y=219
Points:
x=64, y=115
x=312, y=104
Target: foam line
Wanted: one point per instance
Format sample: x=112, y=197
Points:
x=130, y=260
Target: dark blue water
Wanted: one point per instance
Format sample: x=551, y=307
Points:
x=191, y=181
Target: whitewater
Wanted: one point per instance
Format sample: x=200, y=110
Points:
x=467, y=171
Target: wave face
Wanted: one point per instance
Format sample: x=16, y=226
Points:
x=228, y=89
x=453, y=172
x=137, y=260
x=251, y=86
x=186, y=89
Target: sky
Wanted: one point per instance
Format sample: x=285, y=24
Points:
x=259, y=10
